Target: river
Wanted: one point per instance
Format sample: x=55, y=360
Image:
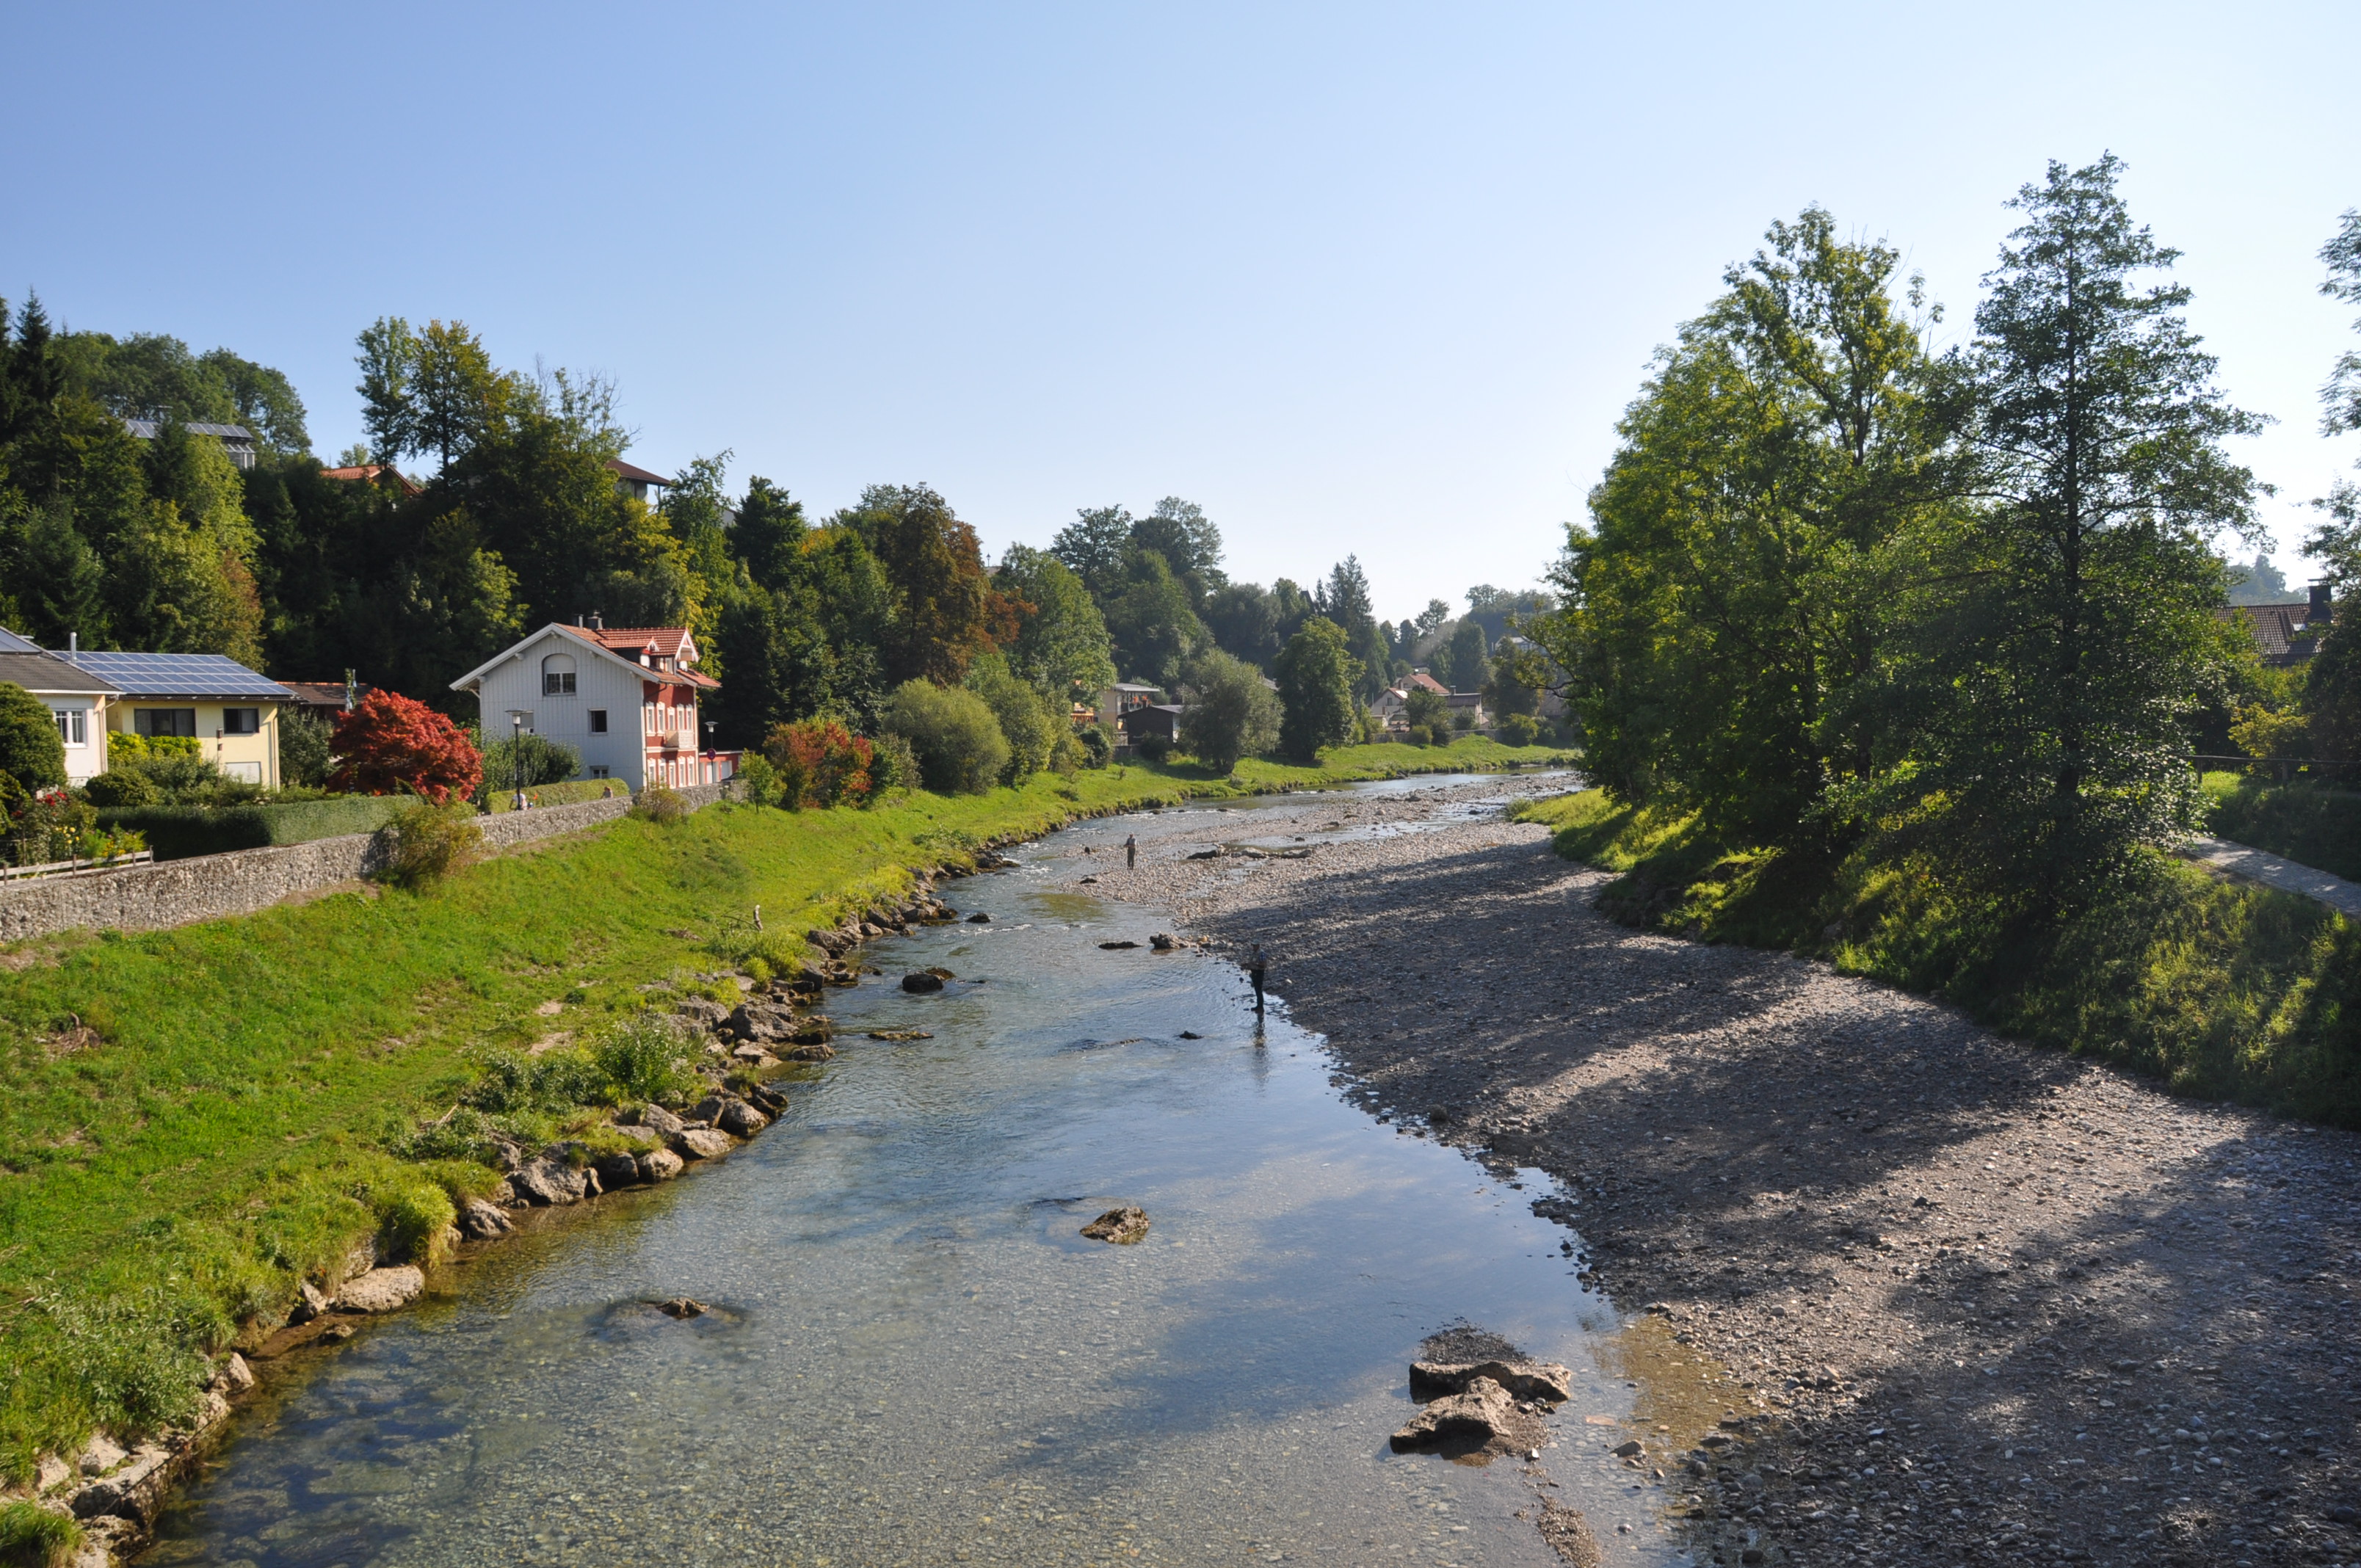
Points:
x=917, y=1358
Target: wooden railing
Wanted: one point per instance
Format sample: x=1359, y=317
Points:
x=77, y=867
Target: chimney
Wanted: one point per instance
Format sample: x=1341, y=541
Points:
x=597, y=623
x=73, y=640
x=2321, y=609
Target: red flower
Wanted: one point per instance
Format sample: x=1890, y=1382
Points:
x=391, y=744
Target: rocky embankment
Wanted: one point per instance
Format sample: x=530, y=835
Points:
x=1926, y=1295
x=116, y=1490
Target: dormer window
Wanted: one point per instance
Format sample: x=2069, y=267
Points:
x=557, y=676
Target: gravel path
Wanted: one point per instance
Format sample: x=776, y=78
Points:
x=1978, y=1303
x=2273, y=870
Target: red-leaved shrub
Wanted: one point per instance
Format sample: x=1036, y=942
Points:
x=391, y=744
x=820, y=763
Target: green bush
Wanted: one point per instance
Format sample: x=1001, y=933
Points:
x=1234, y=716
x=177, y=832
x=1154, y=748
x=141, y=1358
x=34, y=1536
x=646, y=1059
x=758, y=782
x=1027, y=722
x=660, y=804
x=428, y=843
x=1520, y=729
x=892, y=766
x=303, y=748
x=122, y=787
x=411, y=1221
x=954, y=735
x=528, y=760
x=1096, y=746
x=552, y=1081
x=31, y=752
x=1418, y=735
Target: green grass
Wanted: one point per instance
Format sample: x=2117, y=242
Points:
x=191, y=1120
x=33, y=1536
x=2221, y=989
x=2311, y=824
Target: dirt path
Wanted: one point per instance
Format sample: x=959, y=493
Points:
x=1995, y=1305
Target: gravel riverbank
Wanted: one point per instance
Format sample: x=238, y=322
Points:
x=1995, y=1305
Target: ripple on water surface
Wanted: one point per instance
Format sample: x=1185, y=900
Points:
x=912, y=1358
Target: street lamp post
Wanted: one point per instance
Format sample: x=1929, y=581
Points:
x=712, y=762
x=516, y=756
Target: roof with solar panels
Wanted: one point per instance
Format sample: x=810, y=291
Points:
x=194, y=677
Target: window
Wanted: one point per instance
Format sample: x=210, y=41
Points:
x=598, y=773
x=597, y=721
x=164, y=721
x=73, y=726
x=241, y=721
x=557, y=676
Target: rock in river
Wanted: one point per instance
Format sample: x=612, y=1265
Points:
x=617, y=1169
x=548, y=1183
x=381, y=1289
x=1122, y=1226
x=1117, y=946
x=919, y=980
x=658, y=1120
x=1523, y=1379
x=479, y=1221
x=659, y=1165
x=1483, y=1417
x=700, y=1143
x=740, y=1120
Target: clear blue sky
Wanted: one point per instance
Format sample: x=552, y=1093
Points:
x=1355, y=278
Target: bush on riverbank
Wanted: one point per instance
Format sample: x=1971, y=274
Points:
x=2222, y=989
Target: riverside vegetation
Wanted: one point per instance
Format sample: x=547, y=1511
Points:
x=198, y=1120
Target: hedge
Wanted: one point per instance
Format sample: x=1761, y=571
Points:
x=179, y=832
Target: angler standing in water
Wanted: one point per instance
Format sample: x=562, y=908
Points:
x=1130, y=851
x=1258, y=971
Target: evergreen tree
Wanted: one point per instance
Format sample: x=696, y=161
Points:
x=2067, y=630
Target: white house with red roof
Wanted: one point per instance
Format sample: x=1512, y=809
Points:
x=629, y=698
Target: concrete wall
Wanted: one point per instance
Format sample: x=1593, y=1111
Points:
x=212, y=887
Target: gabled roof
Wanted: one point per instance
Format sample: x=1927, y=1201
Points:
x=1422, y=681
x=630, y=471
x=189, y=676
x=42, y=672
x=626, y=655
x=326, y=693
x=664, y=641
x=2283, y=634
x=367, y=473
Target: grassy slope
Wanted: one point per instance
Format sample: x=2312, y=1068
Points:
x=2222, y=989
x=2308, y=824
x=226, y=1129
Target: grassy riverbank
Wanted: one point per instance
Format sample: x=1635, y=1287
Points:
x=2222, y=989
x=2309, y=824
x=193, y=1119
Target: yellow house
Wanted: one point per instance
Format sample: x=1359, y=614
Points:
x=231, y=712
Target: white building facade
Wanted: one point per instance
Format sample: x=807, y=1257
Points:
x=627, y=699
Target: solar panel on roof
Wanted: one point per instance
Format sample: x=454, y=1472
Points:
x=180, y=675
x=12, y=643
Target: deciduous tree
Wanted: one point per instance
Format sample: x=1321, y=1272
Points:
x=391, y=744
x=1315, y=690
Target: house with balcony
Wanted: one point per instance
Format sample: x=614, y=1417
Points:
x=629, y=699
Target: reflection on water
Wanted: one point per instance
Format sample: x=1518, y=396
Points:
x=915, y=1358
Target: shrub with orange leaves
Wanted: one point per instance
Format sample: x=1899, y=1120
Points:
x=391, y=744
x=820, y=762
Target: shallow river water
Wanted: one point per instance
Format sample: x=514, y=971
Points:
x=918, y=1360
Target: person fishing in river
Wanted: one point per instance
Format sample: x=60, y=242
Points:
x=1258, y=972
x=1130, y=851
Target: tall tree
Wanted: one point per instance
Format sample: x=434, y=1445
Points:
x=1181, y=531
x=941, y=596
x=1060, y=647
x=1315, y=690
x=1093, y=547
x=1149, y=618
x=1243, y=620
x=2071, y=631
x=1724, y=609
x=2332, y=697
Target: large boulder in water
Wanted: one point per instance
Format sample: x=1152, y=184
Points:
x=1483, y=1417
x=1120, y=1226
x=1523, y=1379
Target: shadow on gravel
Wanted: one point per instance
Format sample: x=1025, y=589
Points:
x=1748, y=1131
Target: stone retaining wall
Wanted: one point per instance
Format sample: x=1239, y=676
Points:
x=211, y=887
